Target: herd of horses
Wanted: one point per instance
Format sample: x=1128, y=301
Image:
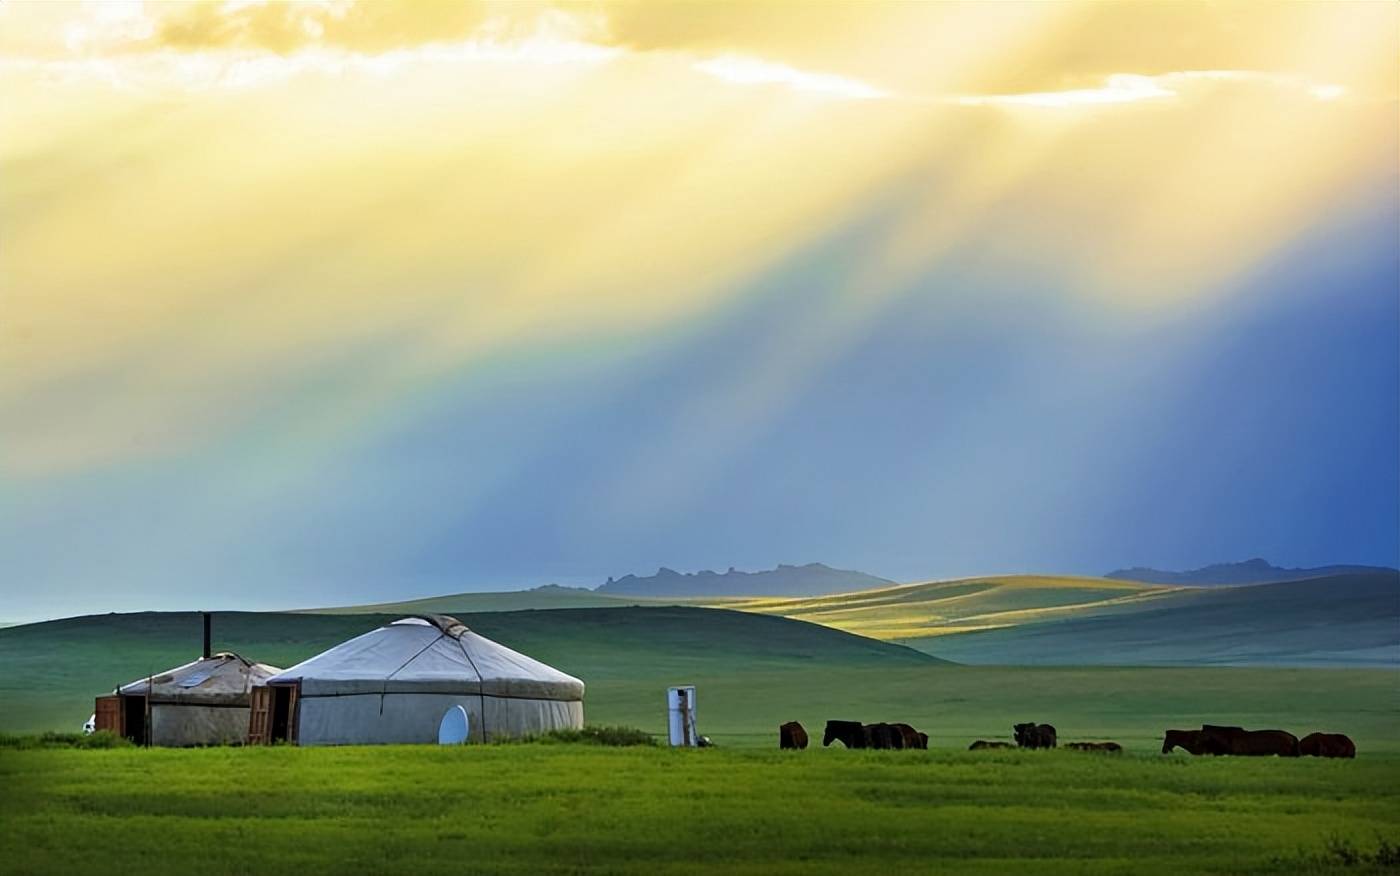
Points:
x=1214, y=739
x=1211, y=739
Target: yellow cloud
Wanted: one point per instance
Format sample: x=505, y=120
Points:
x=756, y=71
x=209, y=209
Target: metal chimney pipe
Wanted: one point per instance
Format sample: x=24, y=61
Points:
x=207, y=629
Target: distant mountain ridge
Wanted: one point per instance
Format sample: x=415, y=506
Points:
x=1255, y=571
x=813, y=579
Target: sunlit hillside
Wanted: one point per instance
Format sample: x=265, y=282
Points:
x=1335, y=620
x=939, y=608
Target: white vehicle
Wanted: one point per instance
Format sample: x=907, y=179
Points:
x=90, y=724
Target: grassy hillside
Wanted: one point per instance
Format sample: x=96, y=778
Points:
x=54, y=669
x=753, y=673
x=568, y=809
x=1343, y=620
x=939, y=608
x=502, y=600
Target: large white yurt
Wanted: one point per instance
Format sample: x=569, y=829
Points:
x=394, y=685
x=204, y=702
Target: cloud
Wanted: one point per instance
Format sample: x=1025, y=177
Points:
x=1119, y=88
x=287, y=27
x=756, y=71
x=1132, y=87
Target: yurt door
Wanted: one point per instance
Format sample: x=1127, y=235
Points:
x=284, y=713
x=260, y=716
x=134, y=719
x=108, y=710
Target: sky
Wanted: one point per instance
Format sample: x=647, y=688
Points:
x=329, y=302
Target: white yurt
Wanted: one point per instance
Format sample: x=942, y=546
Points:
x=395, y=684
x=204, y=702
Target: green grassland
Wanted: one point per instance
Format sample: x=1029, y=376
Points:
x=531, y=809
x=753, y=672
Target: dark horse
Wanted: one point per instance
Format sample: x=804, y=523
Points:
x=982, y=743
x=1251, y=743
x=1326, y=745
x=1193, y=741
x=912, y=738
x=883, y=736
x=792, y=735
x=1034, y=735
x=851, y=733
x=1106, y=747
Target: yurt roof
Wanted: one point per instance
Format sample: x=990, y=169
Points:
x=224, y=677
x=429, y=654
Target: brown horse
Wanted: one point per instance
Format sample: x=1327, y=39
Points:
x=1326, y=745
x=1106, y=747
x=850, y=733
x=1193, y=741
x=1251, y=743
x=1034, y=735
x=911, y=736
x=883, y=735
x=792, y=735
x=981, y=744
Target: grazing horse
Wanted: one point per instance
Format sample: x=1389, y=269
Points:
x=1034, y=735
x=982, y=743
x=1106, y=747
x=850, y=733
x=883, y=736
x=1326, y=745
x=1251, y=743
x=1193, y=741
x=911, y=736
x=792, y=735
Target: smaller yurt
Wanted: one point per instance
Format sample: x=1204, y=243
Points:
x=204, y=702
x=394, y=685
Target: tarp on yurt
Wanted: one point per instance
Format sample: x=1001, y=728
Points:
x=204, y=702
x=394, y=684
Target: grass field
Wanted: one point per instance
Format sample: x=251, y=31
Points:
x=567, y=808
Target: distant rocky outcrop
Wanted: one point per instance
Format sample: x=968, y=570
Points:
x=1255, y=571
x=559, y=588
x=813, y=579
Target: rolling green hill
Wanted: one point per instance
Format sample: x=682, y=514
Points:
x=1341, y=620
x=54, y=669
x=939, y=608
x=752, y=671
x=499, y=600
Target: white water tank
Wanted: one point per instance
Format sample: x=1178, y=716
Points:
x=680, y=715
